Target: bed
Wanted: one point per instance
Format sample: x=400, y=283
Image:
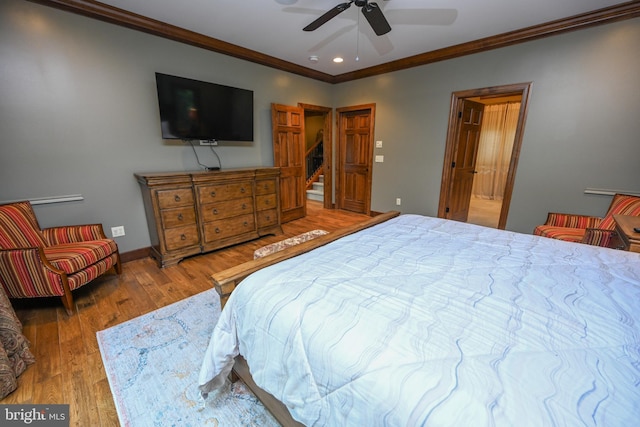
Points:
x=420, y=321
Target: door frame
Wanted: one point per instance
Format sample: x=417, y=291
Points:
x=522, y=89
x=327, y=153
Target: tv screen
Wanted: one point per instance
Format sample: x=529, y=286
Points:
x=192, y=109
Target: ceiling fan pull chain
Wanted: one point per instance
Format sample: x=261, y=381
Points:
x=358, y=39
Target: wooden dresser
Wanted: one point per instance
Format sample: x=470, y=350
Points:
x=195, y=212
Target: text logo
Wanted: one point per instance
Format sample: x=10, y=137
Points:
x=34, y=415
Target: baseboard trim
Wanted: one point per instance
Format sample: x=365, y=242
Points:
x=135, y=254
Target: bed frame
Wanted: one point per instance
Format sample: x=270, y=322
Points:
x=226, y=281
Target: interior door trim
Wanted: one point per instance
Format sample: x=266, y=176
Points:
x=522, y=89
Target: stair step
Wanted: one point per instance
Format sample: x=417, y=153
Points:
x=315, y=195
x=319, y=186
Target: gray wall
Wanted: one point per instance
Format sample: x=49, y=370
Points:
x=581, y=132
x=78, y=115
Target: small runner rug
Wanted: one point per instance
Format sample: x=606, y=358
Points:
x=286, y=243
x=152, y=364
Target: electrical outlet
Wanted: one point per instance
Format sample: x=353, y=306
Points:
x=117, y=231
x=398, y=201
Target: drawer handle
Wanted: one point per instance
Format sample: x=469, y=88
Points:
x=266, y=202
x=183, y=237
x=215, y=211
x=176, y=198
x=244, y=206
x=242, y=190
x=213, y=194
x=266, y=187
x=268, y=217
x=246, y=223
x=217, y=230
x=180, y=217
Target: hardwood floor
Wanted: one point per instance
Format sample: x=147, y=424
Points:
x=484, y=212
x=68, y=368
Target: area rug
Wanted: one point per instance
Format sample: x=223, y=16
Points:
x=283, y=244
x=152, y=364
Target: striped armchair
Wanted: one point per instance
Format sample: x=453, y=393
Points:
x=589, y=229
x=50, y=262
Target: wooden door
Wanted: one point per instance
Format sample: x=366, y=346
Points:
x=464, y=163
x=288, y=155
x=355, y=148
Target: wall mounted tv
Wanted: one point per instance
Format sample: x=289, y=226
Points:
x=192, y=109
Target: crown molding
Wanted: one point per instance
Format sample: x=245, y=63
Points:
x=106, y=13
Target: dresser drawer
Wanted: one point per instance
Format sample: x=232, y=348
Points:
x=230, y=227
x=226, y=209
x=178, y=217
x=267, y=201
x=267, y=186
x=267, y=218
x=175, y=198
x=220, y=192
x=181, y=237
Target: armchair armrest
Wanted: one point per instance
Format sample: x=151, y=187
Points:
x=555, y=219
x=599, y=237
x=26, y=272
x=73, y=234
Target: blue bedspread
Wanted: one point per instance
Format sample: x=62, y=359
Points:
x=427, y=322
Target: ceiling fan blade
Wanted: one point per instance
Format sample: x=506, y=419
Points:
x=376, y=18
x=328, y=16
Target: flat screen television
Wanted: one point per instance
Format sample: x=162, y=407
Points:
x=192, y=109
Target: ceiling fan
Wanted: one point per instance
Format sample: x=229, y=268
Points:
x=370, y=10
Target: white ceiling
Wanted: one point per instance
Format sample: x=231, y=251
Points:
x=274, y=27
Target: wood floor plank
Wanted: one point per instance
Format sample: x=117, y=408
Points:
x=47, y=350
x=50, y=391
x=104, y=404
x=81, y=399
x=68, y=366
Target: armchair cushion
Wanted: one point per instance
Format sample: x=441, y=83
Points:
x=19, y=227
x=569, y=234
x=622, y=204
x=73, y=234
x=73, y=257
x=555, y=219
x=14, y=347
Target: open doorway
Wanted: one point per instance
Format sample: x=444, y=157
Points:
x=289, y=154
x=490, y=160
x=497, y=134
x=318, y=154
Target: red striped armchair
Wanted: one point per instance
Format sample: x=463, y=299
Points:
x=50, y=262
x=591, y=230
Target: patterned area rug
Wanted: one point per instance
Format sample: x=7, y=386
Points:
x=152, y=363
x=283, y=244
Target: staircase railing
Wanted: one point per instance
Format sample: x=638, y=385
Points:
x=314, y=162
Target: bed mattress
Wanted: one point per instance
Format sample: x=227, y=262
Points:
x=422, y=321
